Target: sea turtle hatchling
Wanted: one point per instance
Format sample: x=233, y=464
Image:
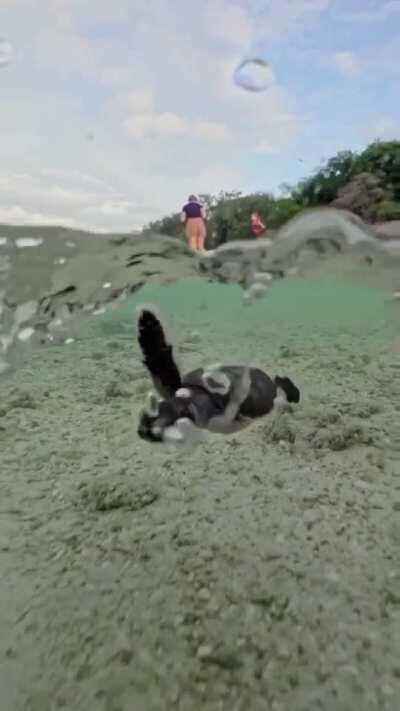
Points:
x=222, y=398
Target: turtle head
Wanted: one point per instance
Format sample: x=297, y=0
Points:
x=156, y=417
x=166, y=420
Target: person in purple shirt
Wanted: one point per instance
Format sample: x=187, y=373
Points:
x=194, y=218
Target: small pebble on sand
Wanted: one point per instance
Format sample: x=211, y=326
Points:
x=204, y=651
x=204, y=594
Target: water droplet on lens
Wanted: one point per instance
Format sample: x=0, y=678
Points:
x=253, y=75
x=6, y=52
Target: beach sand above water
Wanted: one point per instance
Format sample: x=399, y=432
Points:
x=257, y=572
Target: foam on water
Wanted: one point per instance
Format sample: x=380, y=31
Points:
x=28, y=242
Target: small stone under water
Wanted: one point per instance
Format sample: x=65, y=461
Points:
x=253, y=74
x=256, y=291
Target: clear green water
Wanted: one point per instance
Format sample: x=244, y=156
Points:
x=290, y=305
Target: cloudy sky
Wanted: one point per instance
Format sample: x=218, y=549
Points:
x=113, y=111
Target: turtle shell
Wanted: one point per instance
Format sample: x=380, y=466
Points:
x=259, y=401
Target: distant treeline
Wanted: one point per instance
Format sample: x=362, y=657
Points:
x=366, y=183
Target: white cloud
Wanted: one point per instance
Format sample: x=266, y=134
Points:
x=139, y=100
x=210, y=131
x=115, y=207
x=116, y=76
x=384, y=129
x=17, y=215
x=31, y=189
x=230, y=22
x=68, y=50
x=347, y=63
x=16, y=4
x=145, y=122
x=377, y=14
x=152, y=125
x=58, y=43
x=169, y=125
x=282, y=18
x=165, y=117
x=265, y=147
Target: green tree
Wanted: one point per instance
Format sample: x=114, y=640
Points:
x=170, y=225
x=363, y=195
x=382, y=157
x=323, y=187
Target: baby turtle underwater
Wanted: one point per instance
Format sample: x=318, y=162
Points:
x=221, y=398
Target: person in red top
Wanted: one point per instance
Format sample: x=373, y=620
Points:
x=257, y=226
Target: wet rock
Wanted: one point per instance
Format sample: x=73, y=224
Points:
x=230, y=272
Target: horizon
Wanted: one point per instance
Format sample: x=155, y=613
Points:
x=112, y=115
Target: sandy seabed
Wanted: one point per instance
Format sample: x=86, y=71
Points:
x=257, y=572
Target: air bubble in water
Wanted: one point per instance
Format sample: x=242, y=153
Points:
x=6, y=52
x=253, y=75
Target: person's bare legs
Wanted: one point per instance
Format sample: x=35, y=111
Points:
x=191, y=235
x=201, y=236
x=196, y=234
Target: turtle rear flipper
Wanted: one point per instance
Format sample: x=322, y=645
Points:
x=157, y=353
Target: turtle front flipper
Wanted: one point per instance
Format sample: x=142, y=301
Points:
x=227, y=422
x=157, y=353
